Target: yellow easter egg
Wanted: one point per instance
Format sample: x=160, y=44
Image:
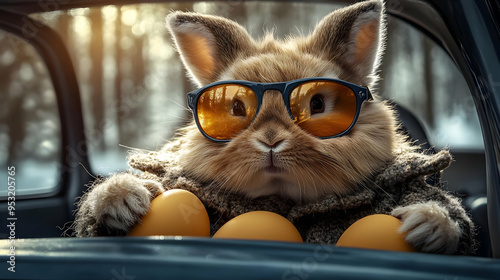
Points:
x=175, y=212
x=375, y=232
x=259, y=225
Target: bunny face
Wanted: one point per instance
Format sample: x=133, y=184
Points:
x=274, y=156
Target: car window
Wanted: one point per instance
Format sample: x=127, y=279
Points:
x=30, y=133
x=133, y=85
x=419, y=74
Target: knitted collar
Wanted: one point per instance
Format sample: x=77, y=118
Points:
x=406, y=165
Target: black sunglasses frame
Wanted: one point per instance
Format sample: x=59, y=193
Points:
x=361, y=93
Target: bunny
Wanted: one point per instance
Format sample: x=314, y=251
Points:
x=271, y=149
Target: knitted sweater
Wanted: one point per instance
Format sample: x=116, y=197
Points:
x=401, y=183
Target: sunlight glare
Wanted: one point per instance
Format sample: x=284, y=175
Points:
x=203, y=7
x=7, y=58
x=129, y=17
x=79, y=11
x=109, y=12
x=48, y=96
x=26, y=72
x=82, y=26
x=160, y=49
x=138, y=30
x=50, y=16
x=46, y=148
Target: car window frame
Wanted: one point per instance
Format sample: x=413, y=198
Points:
x=56, y=58
x=430, y=17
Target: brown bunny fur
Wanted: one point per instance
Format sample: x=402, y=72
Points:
x=324, y=184
x=313, y=167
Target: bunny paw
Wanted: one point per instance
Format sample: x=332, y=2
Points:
x=114, y=206
x=428, y=227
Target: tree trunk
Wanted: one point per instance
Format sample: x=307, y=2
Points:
x=96, y=80
x=118, y=77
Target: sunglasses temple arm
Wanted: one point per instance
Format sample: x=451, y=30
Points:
x=190, y=100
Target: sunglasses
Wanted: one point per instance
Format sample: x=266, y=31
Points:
x=323, y=107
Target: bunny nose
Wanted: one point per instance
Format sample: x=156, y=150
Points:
x=272, y=145
x=270, y=140
x=272, y=124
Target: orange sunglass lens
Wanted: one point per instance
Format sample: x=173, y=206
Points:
x=323, y=108
x=225, y=110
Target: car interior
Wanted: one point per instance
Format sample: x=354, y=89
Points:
x=84, y=82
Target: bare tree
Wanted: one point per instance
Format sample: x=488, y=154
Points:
x=96, y=80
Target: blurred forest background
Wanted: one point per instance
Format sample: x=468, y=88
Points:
x=133, y=85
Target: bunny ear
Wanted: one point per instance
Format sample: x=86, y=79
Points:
x=207, y=44
x=353, y=38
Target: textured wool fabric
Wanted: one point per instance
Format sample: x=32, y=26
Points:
x=400, y=183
